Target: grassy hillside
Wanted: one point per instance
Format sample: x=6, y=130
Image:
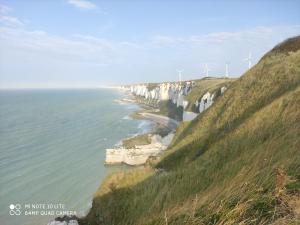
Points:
x=236, y=163
x=211, y=84
x=204, y=85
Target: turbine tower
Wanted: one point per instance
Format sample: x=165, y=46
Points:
x=226, y=70
x=249, y=60
x=206, y=69
x=180, y=75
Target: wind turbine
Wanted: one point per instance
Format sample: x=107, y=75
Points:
x=226, y=70
x=249, y=60
x=179, y=75
x=206, y=69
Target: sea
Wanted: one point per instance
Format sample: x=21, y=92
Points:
x=52, y=149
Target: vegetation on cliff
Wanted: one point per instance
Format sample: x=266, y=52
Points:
x=201, y=86
x=142, y=139
x=236, y=163
x=207, y=84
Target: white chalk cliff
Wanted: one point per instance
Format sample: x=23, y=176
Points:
x=164, y=91
x=175, y=92
x=139, y=154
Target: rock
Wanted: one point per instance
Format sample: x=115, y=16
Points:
x=206, y=96
x=223, y=89
x=65, y=220
x=201, y=106
x=185, y=104
x=164, y=91
x=139, y=154
x=57, y=223
x=180, y=100
x=206, y=101
x=188, y=116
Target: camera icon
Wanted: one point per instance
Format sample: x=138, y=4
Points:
x=15, y=209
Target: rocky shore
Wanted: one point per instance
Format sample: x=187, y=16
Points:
x=139, y=154
x=159, y=138
x=65, y=220
x=150, y=98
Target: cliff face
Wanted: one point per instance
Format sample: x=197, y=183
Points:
x=181, y=100
x=236, y=163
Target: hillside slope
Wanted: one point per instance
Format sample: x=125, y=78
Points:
x=182, y=96
x=236, y=163
x=212, y=85
x=207, y=84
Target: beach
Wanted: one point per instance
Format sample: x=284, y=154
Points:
x=159, y=138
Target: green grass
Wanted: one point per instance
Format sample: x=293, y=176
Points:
x=167, y=108
x=213, y=85
x=137, y=140
x=236, y=163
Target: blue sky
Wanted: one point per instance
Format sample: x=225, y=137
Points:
x=80, y=43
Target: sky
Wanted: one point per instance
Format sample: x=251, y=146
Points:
x=89, y=43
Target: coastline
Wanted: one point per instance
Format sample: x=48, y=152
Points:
x=161, y=135
x=158, y=138
x=145, y=147
x=144, y=127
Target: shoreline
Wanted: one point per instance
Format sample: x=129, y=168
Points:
x=159, y=137
x=145, y=148
x=128, y=98
x=147, y=112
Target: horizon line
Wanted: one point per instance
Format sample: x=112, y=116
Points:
x=54, y=87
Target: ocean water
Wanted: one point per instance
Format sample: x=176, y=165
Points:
x=52, y=149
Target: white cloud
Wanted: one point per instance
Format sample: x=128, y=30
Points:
x=242, y=35
x=78, y=48
x=10, y=21
x=191, y=52
x=4, y=9
x=82, y=4
x=94, y=40
x=262, y=33
x=42, y=56
x=163, y=40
